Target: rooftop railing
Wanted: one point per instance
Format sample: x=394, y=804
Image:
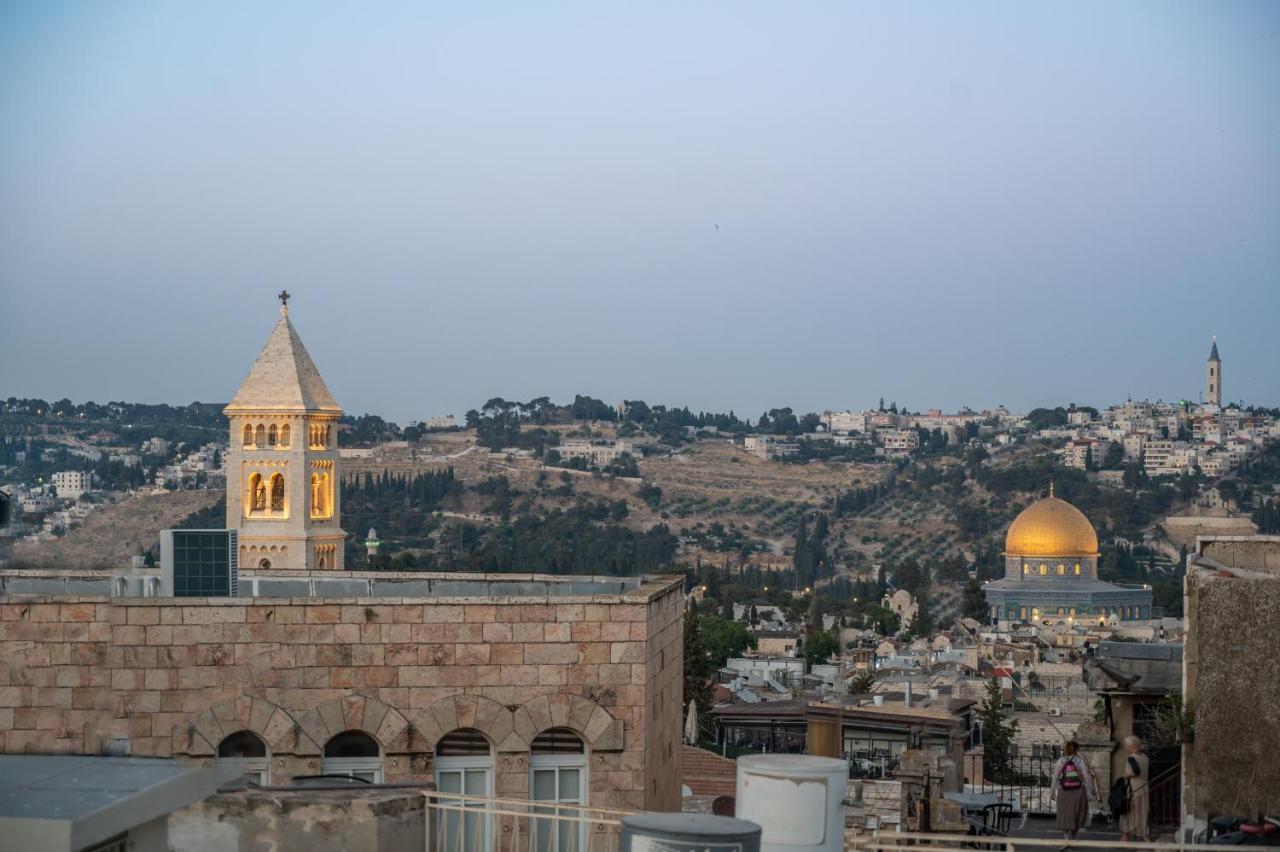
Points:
x=879, y=842
x=459, y=822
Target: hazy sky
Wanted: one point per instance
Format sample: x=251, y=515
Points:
x=941, y=204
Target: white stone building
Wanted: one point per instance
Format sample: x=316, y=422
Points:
x=598, y=453
x=70, y=484
x=844, y=422
x=898, y=443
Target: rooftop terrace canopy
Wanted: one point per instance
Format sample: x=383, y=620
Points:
x=55, y=802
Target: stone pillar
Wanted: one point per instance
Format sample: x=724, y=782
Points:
x=1096, y=746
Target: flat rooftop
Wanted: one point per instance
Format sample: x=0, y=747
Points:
x=362, y=585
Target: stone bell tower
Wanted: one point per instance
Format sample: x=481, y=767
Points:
x=282, y=469
x=1213, y=377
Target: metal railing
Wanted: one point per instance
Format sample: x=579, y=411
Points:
x=1164, y=795
x=1026, y=782
x=880, y=841
x=458, y=822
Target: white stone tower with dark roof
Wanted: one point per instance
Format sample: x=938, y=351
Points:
x=1213, y=377
x=282, y=469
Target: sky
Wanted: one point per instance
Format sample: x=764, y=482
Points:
x=725, y=205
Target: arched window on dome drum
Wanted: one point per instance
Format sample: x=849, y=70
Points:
x=246, y=753
x=273, y=435
x=1044, y=569
x=260, y=435
x=277, y=492
x=1062, y=569
x=1077, y=569
x=284, y=435
x=248, y=435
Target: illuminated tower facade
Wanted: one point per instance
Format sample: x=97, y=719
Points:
x=282, y=468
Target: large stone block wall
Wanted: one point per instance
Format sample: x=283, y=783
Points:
x=664, y=694
x=176, y=676
x=1231, y=672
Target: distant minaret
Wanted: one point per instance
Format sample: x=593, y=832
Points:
x=1213, y=377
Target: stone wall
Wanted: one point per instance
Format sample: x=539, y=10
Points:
x=1255, y=552
x=175, y=676
x=1232, y=678
x=301, y=821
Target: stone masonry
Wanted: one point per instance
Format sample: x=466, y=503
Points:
x=176, y=676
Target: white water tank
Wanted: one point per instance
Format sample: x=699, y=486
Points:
x=796, y=799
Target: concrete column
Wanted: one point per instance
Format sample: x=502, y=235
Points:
x=1096, y=746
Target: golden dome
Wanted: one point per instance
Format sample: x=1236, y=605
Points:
x=1051, y=527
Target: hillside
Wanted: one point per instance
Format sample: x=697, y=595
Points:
x=112, y=534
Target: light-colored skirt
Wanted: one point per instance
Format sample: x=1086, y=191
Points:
x=1134, y=820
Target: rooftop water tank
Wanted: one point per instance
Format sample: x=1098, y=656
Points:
x=797, y=799
x=688, y=833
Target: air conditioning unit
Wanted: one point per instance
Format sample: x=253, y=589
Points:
x=1055, y=711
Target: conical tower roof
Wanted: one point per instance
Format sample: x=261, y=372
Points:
x=284, y=378
x=1213, y=353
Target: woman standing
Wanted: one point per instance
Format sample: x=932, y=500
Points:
x=1137, y=768
x=1071, y=790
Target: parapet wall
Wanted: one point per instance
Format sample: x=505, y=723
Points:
x=1261, y=553
x=172, y=677
x=302, y=821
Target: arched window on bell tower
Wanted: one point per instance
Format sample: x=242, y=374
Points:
x=321, y=496
x=273, y=436
x=256, y=499
x=248, y=435
x=284, y=436
x=260, y=436
x=277, y=492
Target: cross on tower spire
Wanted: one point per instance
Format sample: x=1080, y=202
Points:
x=283, y=296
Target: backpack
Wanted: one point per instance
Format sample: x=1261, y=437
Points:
x=1069, y=778
x=1118, y=798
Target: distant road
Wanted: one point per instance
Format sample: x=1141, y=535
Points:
x=471, y=516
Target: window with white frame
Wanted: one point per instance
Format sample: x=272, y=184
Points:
x=245, y=753
x=558, y=774
x=354, y=754
x=464, y=770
